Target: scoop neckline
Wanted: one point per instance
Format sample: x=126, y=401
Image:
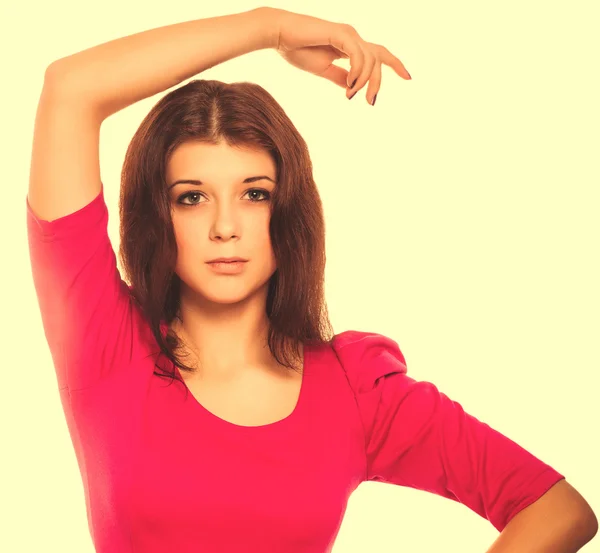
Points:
x=289, y=419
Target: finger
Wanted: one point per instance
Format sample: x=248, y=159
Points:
x=392, y=61
x=374, y=83
x=337, y=75
x=365, y=74
x=339, y=53
x=346, y=39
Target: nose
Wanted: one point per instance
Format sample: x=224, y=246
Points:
x=225, y=224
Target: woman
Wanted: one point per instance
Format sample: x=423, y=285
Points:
x=273, y=420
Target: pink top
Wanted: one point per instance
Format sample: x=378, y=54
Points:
x=162, y=473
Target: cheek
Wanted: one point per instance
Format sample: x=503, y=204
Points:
x=189, y=239
x=262, y=236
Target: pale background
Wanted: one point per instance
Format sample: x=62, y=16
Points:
x=462, y=221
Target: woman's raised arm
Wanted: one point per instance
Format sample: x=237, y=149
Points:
x=118, y=73
x=83, y=89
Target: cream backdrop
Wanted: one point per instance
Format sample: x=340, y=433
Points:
x=462, y=221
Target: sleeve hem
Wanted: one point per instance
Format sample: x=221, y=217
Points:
x=541, y=485
x=90, y=214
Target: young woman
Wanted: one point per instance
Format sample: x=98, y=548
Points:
x=272, y=420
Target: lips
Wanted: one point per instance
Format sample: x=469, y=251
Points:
x=230, y=266
x=227, y=260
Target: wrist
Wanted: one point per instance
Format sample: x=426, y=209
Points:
x=269, y=18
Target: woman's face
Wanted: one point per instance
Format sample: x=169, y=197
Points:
x=227, y=215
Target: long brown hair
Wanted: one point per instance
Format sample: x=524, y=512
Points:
x=242, y=114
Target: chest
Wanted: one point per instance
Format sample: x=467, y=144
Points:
x=251, y=400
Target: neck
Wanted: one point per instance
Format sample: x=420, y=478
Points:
x=225, y=340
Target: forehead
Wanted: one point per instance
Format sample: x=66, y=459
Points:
x=218, y=162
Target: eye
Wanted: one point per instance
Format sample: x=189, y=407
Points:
x=187, y=195
x=266, y=196
x=265, y=193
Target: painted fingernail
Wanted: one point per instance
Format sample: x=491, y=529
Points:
x=354, y=82
x=352, y=96
x=374, y=98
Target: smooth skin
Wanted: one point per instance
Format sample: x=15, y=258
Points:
x=223, y=315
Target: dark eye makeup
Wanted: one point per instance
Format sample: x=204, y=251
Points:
x=265, y=193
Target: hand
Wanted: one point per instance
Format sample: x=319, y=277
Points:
x=313, y=44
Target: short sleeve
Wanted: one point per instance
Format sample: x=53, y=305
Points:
x=416, y=436
x=87, y=314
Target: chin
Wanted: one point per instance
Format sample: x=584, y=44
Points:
x=225, y=299
x=235, y=294
x=229, y=291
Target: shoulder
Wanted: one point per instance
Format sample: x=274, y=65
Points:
x=367, y=356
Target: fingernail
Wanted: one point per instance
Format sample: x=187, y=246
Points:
x=374, y=98
x=350, y=97
x=408, y=74
x=352, y=86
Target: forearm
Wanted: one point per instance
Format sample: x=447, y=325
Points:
x=545, y=538
x=116, y=74
x=561, y=521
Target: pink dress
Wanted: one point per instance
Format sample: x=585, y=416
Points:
x=162, y=473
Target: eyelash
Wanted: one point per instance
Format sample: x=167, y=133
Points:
x=194, y=193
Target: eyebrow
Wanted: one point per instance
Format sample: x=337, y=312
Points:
x=199, y=182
